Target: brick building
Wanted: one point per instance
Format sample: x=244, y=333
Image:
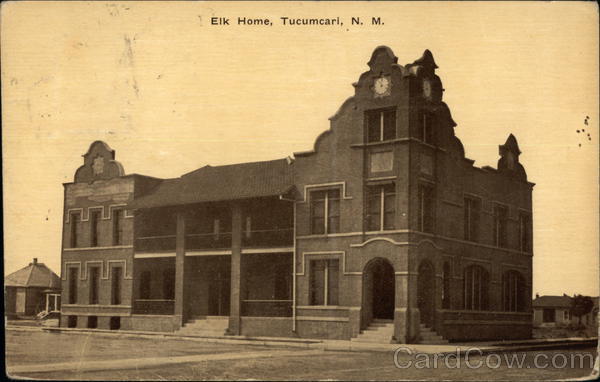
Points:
x=385, y=223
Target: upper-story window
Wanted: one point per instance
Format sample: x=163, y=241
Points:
x=472, y=210
x=94, y=232
x=74, y=221
x=117, y=227
x=426, y=126
x=381, y=125
x=500, y=226
x=325, y=211
x=426, y=208
x=381, y=207
x=525, y=231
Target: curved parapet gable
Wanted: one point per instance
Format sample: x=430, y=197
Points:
x=98, y=163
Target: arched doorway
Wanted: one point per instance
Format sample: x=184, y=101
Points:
x=426, y=293
x=379, y=290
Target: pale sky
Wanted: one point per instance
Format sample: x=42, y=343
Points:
x=170, y=93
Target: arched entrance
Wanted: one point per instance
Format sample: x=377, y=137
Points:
x=379, y=290
x=426, y=293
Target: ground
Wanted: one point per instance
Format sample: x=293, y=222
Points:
x=565, y=331
x=46, y=351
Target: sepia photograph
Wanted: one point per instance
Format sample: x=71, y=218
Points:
x=300, y=190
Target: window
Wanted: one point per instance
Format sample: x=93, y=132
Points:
x=94, y=220
x=73, y=275
x=324, y=282
x=426, y=208
x=500, y=226
x=116, y=277
x=381, y=125
x=216, y=229
x=115, y=323
x=476, y=288
x=325, y=211
x=117, y=227
x=72, y=321
x=549, y=315
x=94, y=283
x=92, y=322
x=74, y=222
x=169, y=284
x=248, y=227
x=446, y=286
x=471, y=222
x=525, y=232
x=381, y=207
x=565, y=315
x=426, y=127
x=514, y=292
x=145, y=284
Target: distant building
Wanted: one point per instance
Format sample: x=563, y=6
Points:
x=31, y=290
x=555, y=311
x=384, y=224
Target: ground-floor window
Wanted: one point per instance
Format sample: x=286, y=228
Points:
x=446, y=286
x=71, y=321
x=324, y=279
x=73, y=275
x=476, y=288
x=115, y=323
x=514, y=292
x=92, y=322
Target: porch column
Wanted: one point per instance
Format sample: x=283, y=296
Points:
x=236, y=270
x=179, y=267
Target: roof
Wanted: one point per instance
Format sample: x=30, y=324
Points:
x=34, y=275
x=552, y=301
x=220, y=183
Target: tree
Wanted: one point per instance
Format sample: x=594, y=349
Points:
x=581, y=305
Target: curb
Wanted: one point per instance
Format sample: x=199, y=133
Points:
x=328, y=345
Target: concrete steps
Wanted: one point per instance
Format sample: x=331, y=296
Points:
x=429, y=336
x=208, y=326
x=379, y=331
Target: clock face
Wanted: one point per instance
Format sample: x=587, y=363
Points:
x=382, y=86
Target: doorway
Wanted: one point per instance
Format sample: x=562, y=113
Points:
x=379, y=289
x=426, y=293
x=219, y=285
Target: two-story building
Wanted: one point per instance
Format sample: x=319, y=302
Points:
x=384, y=222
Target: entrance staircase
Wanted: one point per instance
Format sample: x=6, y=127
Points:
x=205, y=326
x=430, y=336
x=379, y=331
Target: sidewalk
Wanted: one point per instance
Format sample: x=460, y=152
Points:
x=342, y=345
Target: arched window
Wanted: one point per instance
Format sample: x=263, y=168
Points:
x=476, y=288
x=514, y=292
x=446, y=286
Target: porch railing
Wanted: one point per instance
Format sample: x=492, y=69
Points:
x=155, y=243
x=267, y=308
x=268, y=238
x=196, y=241
x=154, y=306
x=221, y=240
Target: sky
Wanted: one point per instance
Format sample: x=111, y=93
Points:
x=170, y=93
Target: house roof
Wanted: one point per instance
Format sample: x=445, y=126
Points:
x=552, y=301
x=34, y=275
x=220, y=183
